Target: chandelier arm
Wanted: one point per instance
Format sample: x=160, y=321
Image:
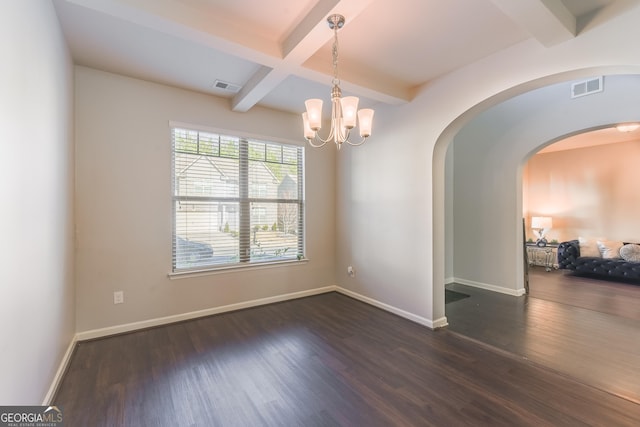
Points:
x=355, y=144
x=344, y=136
x=316, y=138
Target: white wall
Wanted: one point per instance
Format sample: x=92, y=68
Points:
x=36, y=184
x=123, y=171
x=589, y=192
x=395, y=182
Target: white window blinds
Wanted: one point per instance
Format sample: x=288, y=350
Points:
x=236, y=201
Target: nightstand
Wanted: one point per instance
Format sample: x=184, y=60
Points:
x=543, y=256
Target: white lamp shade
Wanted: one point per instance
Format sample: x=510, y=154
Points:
x=314, y=113
x=349, y=106
x=365, y=119
x=628, y=127
x=308, y=132
x=541, y=222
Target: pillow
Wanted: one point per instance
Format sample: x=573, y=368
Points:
x=630, y=252
x=588, y=247
x=609, y=249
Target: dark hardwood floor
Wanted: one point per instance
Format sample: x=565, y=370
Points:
x=320, y=361
x=616, y=298
x=588, y=329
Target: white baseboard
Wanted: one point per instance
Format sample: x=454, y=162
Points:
x=60, y=372
x=128, y=327
x=448, y=280
x=431, y=324
x=494, y=288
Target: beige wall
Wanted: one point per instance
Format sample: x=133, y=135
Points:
x=388, y=219
x=36, y=183
x=123, y=209
x=589, y=192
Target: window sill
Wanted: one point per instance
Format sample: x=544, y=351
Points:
x=233, y=269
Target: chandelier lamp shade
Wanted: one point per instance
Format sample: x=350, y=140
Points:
x=344, y=111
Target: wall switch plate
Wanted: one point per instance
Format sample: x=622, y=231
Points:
x=118, y=297
x=350, y=271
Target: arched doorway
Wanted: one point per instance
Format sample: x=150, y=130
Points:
x=483, y=195
x=479, y=231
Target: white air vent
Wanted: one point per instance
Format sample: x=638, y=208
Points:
x=226, y=86
x=586, y=87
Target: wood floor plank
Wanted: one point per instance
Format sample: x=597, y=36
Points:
x=326, y=360
x=573, y=336
x=617, y=298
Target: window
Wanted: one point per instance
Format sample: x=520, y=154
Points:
x=236, y=201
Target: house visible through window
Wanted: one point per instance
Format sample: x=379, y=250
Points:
x=236, y=201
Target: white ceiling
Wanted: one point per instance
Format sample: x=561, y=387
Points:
x=279, y=51
x=589, y=139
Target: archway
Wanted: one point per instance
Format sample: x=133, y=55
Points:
x=537, y=108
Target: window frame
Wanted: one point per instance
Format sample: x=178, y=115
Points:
x=244, y=202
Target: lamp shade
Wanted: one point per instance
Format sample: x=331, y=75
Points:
x=314, y=113
x=308, y=132
x=628, y=127
x=365, y=119
x=541, y=222
x=349, y=105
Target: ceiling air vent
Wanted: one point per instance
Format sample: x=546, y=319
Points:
x=226, y=86
x=586, y=87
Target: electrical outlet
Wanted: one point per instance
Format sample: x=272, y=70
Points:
x=351, y=272
x=118, y=297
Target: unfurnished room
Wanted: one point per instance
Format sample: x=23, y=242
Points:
x=320, y=212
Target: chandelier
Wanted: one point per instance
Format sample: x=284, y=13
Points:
x=343, y=110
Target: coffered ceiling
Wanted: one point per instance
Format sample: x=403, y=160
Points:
x=278, y=52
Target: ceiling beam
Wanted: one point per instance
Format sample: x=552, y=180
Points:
x=548, y=21
x=306, y=39
x=303, y=42
x=311, y=32
x=355, y=80
x=276, y=61
x=257, y=87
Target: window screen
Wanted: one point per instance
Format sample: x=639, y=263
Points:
x=236, y=201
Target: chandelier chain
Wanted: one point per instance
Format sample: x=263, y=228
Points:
x=334, y=53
